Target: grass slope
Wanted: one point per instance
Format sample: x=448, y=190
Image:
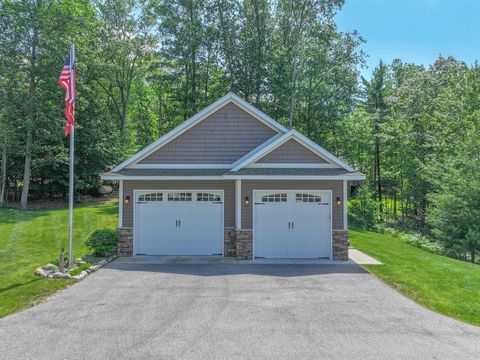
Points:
x=33, y=238
x=442, y=284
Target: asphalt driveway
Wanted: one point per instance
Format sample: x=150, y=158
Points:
x=227, y=311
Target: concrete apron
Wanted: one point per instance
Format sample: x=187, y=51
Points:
x=172, y=259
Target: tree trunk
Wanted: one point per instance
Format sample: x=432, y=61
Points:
x=27, y=170
x=4, y=173
x=293, y=83
x=472, y=255
x=31, y=114
x=377, y=166
x=259, y=43
x=394, y=205
x=123, y=119
x=160, y=114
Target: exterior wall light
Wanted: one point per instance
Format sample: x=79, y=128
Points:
x=339, y=202
x=246, y=201
x=127, y=200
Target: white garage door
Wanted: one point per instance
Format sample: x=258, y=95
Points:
x=292, y=224
x=181, y=222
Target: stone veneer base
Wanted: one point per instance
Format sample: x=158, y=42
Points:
x=125, y=241
x=340, y=244
x=238, y=243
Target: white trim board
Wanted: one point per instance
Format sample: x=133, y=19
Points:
x=294, y=177
x=292, y=166
x=120, y=203
x=230, y=97
x=345, y=205
x=180, y=166
x=239, y=177
x=238, y=204
x=146, y=177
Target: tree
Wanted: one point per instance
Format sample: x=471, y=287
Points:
x=376, y=105
x=298, y=20
x=125, y=39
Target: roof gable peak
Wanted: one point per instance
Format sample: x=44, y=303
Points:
x=302, y=139
x=197, y=118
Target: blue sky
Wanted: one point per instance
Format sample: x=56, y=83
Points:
x=414, y=30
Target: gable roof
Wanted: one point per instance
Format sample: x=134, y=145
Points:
x=195, y=119
x=292, y=134
x=244, y=167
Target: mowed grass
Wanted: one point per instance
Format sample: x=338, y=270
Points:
x=448, y=286
x=33, y=238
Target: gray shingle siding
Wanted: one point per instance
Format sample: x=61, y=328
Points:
x=292, y=152
x=221, y=138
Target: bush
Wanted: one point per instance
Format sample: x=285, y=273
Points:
x=424, y=243
x=363, y=209
x=79, y=269
x=103, y=242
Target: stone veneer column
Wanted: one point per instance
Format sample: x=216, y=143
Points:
x=244, y=244
x=125, y=241
x=229, y=242
x=340, y=244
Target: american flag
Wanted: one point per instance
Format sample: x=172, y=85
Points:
x=68, y=82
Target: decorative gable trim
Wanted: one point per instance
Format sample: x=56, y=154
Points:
x=293, y=134
x=194, y=120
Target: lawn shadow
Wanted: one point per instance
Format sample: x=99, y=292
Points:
x=107, y=209
x=14, y=216
x=17, y=285
x=280, y=270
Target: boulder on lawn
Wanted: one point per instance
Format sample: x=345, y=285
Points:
x=59, y=275
x=105, y=189
x=50, y=267
x=40, y=272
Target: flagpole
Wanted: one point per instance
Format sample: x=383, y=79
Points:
x=70, y=190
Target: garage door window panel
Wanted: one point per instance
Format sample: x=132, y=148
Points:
x=277, y=197
x=150, y=197
x=180, y=196
x=307, y=198
x=208, y=197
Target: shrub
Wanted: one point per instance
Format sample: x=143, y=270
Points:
x=103, y=242
x=363, y=209
x=79, y=269
x=424, y=243
x=380, y=228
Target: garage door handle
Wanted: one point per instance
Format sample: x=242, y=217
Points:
x=179, y=223
x=293, y=225
x=289, y=224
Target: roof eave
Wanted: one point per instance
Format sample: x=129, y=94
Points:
x=236, y=177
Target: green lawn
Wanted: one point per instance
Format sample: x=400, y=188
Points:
x=445, y=285
x=33, y=238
